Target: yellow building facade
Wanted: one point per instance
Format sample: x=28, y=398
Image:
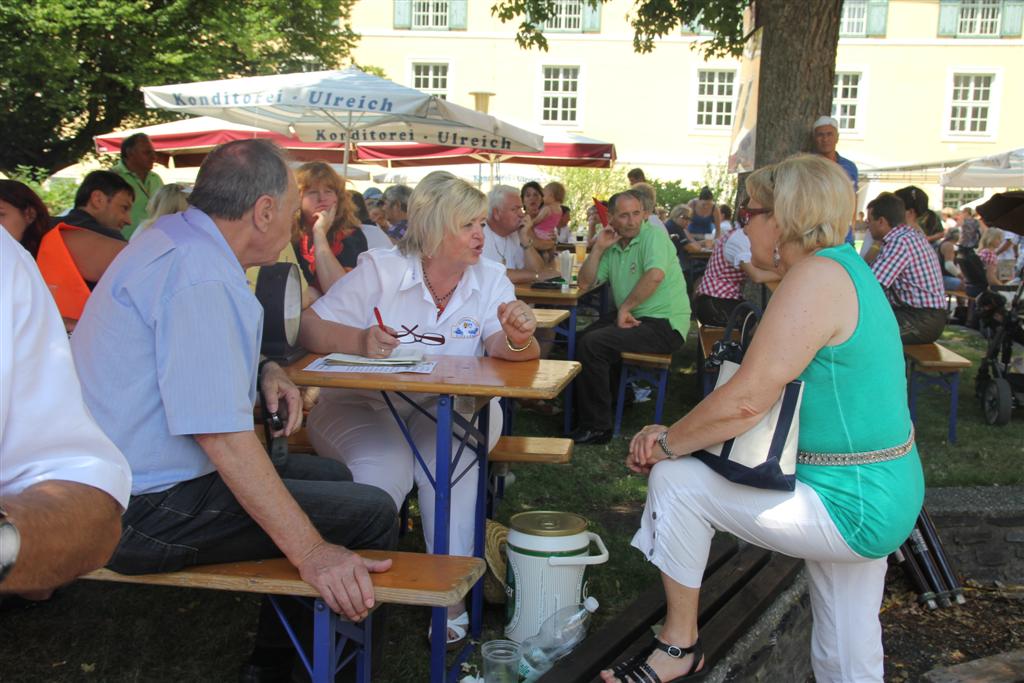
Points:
x=917, y=81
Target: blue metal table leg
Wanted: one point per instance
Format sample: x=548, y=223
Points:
x=324, y=643
x=365, y=656
x=659, y=405
x=621, y=399
x=570, y=339
x=476, y=611
x=912, y=389
x=442, y=520
x=954, y=399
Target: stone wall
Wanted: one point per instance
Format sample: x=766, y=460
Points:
x=982, y=530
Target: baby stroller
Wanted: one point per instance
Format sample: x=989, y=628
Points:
x=1000, y=380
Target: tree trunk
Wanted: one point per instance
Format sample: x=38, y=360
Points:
x=798, y=57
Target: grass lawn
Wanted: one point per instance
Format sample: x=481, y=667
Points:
x=106, y=632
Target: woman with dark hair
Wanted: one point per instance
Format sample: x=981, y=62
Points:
x=533, y=198
x=326, y=235
x=918, y=213
x=376, y=238
x=706, y=218
x=362, y=211
x=23, y=214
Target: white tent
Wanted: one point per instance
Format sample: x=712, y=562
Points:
x=997, y=170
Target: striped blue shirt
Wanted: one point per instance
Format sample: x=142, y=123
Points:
x=168, y=346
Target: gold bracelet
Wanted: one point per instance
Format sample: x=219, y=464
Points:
x=508, y=343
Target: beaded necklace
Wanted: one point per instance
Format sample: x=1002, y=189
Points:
x=439, y=301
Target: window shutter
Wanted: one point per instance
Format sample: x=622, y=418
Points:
x=1012, y=18
x=591, y=18
x=403, y=14
x=877, y=16
x=949, y=17
x=457, y=15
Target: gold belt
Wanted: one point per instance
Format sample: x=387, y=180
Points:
x=861, y=458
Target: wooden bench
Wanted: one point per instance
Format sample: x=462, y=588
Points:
x=523, y=449
x=548, y=318
x=707, y=335
x=739, y=584
x=414, y=579
x=650, y=367
x=933, y=364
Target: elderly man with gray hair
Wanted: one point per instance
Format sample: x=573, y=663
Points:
x=825, y=136
x=168, y=352
x=508, y=239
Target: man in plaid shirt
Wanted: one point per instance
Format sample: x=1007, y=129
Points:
x=908, y=271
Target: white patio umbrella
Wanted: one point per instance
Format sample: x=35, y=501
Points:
x=342, y=106
x=997, y=170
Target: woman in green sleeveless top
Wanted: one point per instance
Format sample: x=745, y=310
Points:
x=859, y=485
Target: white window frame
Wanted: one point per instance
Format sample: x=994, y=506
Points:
x=714, y=130
x=857, y=132
x=994, y=104
x=542, y=93
x=978, y=8
x=437, y=20
x=845, y=21
x=445, y=93
x=561, y=8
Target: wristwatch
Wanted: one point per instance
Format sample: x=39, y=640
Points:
x=10, y=543
x=663, y=443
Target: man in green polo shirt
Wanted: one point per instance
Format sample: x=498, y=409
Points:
x=136, y=167
x=652, y=314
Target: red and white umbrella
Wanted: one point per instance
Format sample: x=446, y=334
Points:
x=189, y=141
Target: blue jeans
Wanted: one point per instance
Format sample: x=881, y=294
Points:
x=200, y=522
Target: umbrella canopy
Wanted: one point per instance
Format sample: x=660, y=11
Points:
x=342, y=106
x=1005, y=210
x=189, y=141
x=998, y=170
x=561, y=150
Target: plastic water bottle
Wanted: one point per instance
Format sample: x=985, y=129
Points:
x=558, y=635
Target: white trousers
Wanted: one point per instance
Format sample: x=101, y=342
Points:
x=687, y=502
x=368, y=440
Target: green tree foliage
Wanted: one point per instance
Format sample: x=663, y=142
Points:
x=718, y=179
x=669, y=193
x=72, y=69
x=582, y=185
x=651, y=20
x=57, y=193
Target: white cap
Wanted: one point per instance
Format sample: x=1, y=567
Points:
x=590, y=604
x=825, y=121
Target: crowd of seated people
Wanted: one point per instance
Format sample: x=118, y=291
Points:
x=432, y=265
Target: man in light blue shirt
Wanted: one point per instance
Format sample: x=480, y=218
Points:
x=168, y=354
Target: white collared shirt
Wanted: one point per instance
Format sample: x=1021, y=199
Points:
x=505, y=250
x=394, y=284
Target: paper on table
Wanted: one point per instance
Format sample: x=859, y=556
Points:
x=400, y=356
x=321, y=365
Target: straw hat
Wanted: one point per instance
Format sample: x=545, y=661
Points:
x=495, y=537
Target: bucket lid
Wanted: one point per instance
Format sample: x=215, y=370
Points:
x=548, y=523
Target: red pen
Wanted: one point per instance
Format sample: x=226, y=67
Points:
x=380, y=321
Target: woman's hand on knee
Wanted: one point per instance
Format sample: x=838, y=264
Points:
x=644, y=451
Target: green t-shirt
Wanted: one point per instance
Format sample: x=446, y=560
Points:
x=622, y=267
x=143, y=191
x=855, y=400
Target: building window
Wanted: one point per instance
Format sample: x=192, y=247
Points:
x=430, y=14
x=715, y=98
x=978, y=18
x=431, y=79
x=567, y=15
x=958, y=196
x=971, y=101
x=845, y=98
x=561, y=85
x=854, y=19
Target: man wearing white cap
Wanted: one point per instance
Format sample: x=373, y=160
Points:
x=826, y=135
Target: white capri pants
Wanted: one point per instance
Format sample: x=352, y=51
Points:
x=687, y=502
x=364, y=436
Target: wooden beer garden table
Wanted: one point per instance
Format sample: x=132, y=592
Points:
x=452, y=376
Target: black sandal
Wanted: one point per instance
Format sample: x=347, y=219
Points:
x=637, y=670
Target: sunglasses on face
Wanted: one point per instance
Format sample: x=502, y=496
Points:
x=746, y=213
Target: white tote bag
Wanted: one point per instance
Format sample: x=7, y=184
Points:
x=765, y=455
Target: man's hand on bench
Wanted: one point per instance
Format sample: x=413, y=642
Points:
x=342, y=578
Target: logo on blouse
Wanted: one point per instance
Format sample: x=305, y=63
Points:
x=466, y=329
x=632, y=268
